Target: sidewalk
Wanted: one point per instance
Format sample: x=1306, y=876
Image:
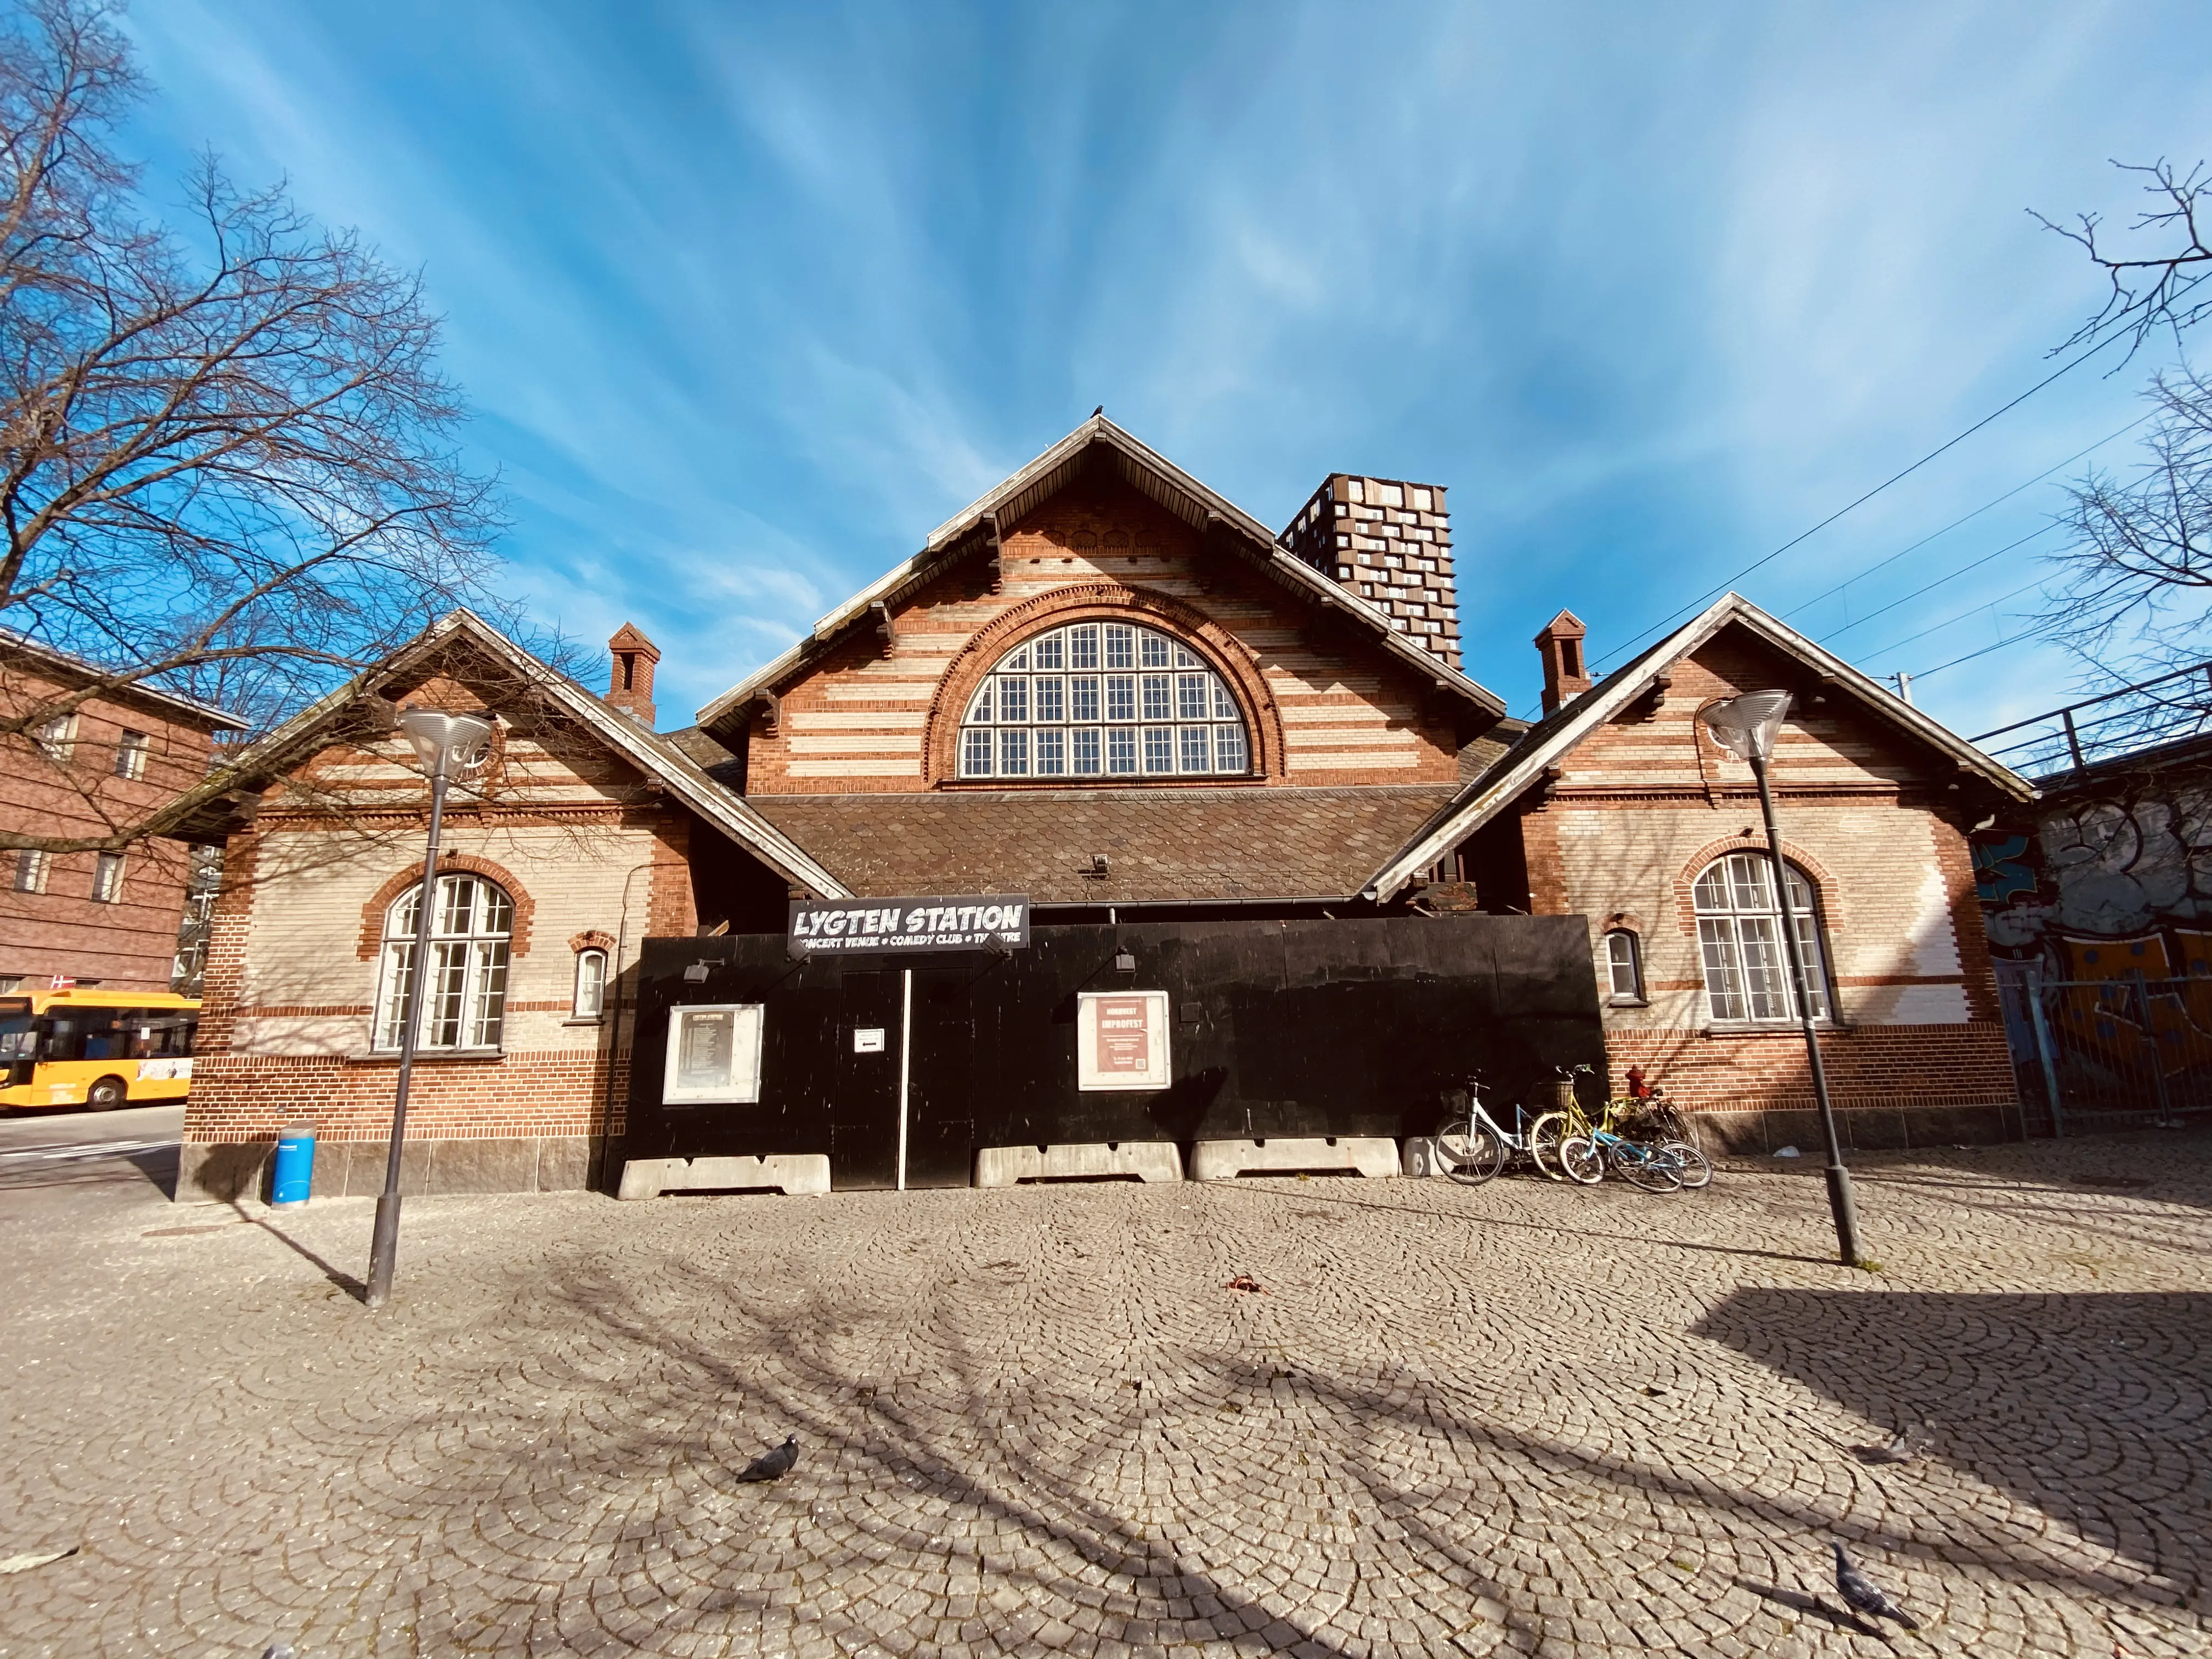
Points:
x=1517, y=1419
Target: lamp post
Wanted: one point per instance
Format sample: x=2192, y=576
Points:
x=1747, y=727
x=444, y=743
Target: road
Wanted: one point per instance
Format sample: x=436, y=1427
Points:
x=56, y=1167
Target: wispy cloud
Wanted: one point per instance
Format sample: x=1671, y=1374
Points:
x=749, y=298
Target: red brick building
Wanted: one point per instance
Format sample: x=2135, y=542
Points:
x=1105, y=687
x=1619, y=806
x=105, y=919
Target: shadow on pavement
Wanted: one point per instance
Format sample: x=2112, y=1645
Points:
x=2073, y=1402
x=355, y=1288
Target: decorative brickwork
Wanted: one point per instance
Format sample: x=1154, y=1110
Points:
x=1329, y=706
x=1389, y=542
x=1103, y=602
x=378, y=904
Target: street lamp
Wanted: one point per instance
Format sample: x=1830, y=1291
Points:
x=1747, y=727
x=445, y=744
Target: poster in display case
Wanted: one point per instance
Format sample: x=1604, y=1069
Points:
x=714, y=1055
x=1121, y=1040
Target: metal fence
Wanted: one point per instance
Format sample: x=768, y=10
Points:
x=2171, y=708
x=2094, y=1050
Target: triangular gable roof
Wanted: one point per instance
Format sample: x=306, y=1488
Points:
x=1522, y=765
x=651, y=753
x=1150, y=474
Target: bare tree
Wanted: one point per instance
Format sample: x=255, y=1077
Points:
x=228, y=462
x=2160, y=285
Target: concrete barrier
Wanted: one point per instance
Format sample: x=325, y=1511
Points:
x=1147, y=1160
x=794, y=1173
x=1225, y=1160
x=1421, y=1158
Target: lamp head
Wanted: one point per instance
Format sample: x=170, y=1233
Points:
x=1747, y=725
x=445, y=742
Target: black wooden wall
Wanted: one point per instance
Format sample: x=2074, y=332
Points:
x=1281, y=1027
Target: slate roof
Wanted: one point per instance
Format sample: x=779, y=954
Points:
x=1161, y=843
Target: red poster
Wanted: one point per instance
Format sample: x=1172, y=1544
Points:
x=1125, y=1042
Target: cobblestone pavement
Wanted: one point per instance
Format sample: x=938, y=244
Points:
x=1520, y=1419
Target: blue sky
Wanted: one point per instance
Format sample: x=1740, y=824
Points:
x=747, y=299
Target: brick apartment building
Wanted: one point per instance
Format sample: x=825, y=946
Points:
x=1106, y=687
x=104, y=918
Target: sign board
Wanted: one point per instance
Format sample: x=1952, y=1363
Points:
x=1121, y=1040
x=880, y=929
x=868, y=1040
x=714, y=1055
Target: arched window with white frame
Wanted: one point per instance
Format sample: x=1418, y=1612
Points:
x=464, y=982
x=591, y=983
x=1740, y=936
x=1102, y=700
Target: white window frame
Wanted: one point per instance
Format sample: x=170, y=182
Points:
x=131, y=751
x=1632, y=994
x=57, y=738
x=471, y=953
x=107, y=877
x=1739, y=942
x=1101, y=702
x=588, y=1001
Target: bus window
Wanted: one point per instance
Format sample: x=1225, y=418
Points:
x=160, y=1033
x=18, y=1038
x=82, y=1034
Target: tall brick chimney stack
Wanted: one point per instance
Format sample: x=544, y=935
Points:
x=1566, y=676
x=1388, y=541
x=630, y=680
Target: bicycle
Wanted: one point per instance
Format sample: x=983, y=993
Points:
x=1668, y=1166
x=1652, y=1116
x=1553, y=1127
x=1475, y=1148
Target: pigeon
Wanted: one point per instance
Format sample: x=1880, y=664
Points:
x=1862, y=1595
x=1903, y=1450
x=772, y=1465
x=1096, y=412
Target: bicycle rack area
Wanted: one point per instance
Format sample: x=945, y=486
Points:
x=2100, y=1054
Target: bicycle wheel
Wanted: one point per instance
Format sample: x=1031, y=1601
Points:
x=1691, y=1167
x=1645, y=1167
x=1545, y=1135
x=1580, y=1158
x=1483, y=1158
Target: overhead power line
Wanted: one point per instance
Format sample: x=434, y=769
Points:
x=1970, y=611
x=1998, y=502
x=2033, y=535
x=1712, y=593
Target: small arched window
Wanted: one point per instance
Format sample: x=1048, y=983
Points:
x=591, y=983
x=1624, y=966
x=1739, y=933
x=1102, y=700
x=464, y=982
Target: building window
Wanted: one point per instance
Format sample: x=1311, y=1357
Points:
x=107, y=877
x=465, y=983
x=131, y=754
x=1102, y=700
x=591, y=983
x=1623, y=965
x=1740, y=935
x=31, y=866
x=57, y=738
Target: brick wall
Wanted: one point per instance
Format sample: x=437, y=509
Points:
x=1641, y=807
x=1325, y=706
x=129, y=944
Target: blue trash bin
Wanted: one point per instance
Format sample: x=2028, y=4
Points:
x=296, y=1167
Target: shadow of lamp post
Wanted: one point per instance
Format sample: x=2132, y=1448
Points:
x=445, y=744
x=1747, y=727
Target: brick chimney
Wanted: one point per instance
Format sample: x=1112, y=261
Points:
x=630, y=680
x=1566, y=676
x=1388, y=541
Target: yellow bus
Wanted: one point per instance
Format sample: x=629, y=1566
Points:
x=97, y=1048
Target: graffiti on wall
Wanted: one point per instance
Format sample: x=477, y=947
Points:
x=2097, y=869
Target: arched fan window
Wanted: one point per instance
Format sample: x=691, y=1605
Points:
x=1102, y=700
x=1739, y=933
x=464, y=986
